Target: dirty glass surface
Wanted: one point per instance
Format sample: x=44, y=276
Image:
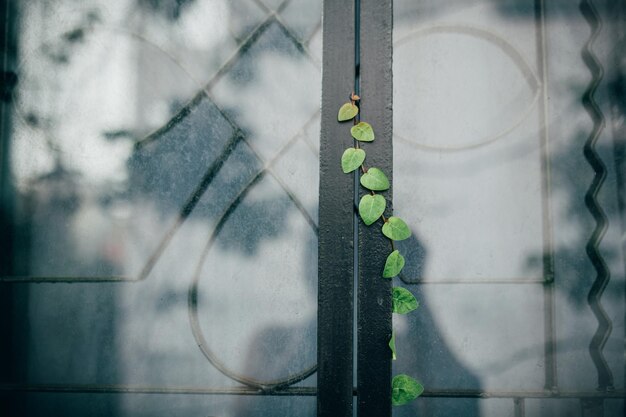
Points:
x=508, y=166
x=160, y=180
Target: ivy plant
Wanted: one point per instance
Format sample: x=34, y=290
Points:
x=371, y=209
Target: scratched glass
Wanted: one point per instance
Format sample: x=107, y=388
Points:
x=162, y=181
x=490, y=171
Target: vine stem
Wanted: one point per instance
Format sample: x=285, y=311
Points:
x=407, y=381
x=363, y=168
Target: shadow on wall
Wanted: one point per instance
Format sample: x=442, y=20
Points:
x=423, y=349
x=93, y=347
x=162, y=176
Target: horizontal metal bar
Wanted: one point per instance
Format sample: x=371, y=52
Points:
x=52, y=279
x=444, y=393
x=137, y=389
x=295, y=391
x=474, y=281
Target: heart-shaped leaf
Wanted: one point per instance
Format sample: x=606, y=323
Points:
x=371, y=207
x=363, y=132
x=351, y=159
x=396, y=229
x=374, y=179
x=393, y=264
x=403, y=301
x=347, y=112
x=404, y=389
x=392, y=345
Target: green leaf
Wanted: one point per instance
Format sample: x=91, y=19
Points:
x=404, y=389
x=374, y=179
x=363, y=132
x=393, y=264
x=396, y=229
x=351, y=159
x=347, y=112
x=371, y=207
x=392, y=345
x=403, y=301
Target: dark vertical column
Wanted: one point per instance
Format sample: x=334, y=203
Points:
x=336, y=207
x=374, y=293
x=8, y=80
x=12, y=361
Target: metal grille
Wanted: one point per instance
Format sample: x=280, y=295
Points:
x=550, y=280
x=211, y=184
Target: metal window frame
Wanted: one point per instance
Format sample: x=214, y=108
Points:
x=357, y=57
x=372, y=33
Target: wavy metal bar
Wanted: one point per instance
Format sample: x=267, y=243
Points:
x=605, y=377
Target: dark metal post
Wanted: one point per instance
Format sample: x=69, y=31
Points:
x=374, y=293
x=336, y=208
x=12, y=362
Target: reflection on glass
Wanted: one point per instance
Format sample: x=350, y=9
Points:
x=489, y=168
x=163, y=166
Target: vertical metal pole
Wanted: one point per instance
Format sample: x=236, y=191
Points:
x=519, y=406
x=12, y=361
x=336, y=208
x=374, y=292
x=551, y=382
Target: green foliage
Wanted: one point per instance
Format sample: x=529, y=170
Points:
x=403, y=301
x=404, y=389
x=347, y=112
x=371, y=207
x=393, y=264
x=396, y=229
x=362, y=131
x=374, y=179
x=352, y=159
x=392, y=345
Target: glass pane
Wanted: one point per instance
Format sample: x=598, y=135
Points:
x=104, y=405
x=160, y=179
x=494, y=169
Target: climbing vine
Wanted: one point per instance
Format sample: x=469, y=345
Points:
x=372, y=208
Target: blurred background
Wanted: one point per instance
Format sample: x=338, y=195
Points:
x=160, y=181
x=503, y=155
x=159, y=166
